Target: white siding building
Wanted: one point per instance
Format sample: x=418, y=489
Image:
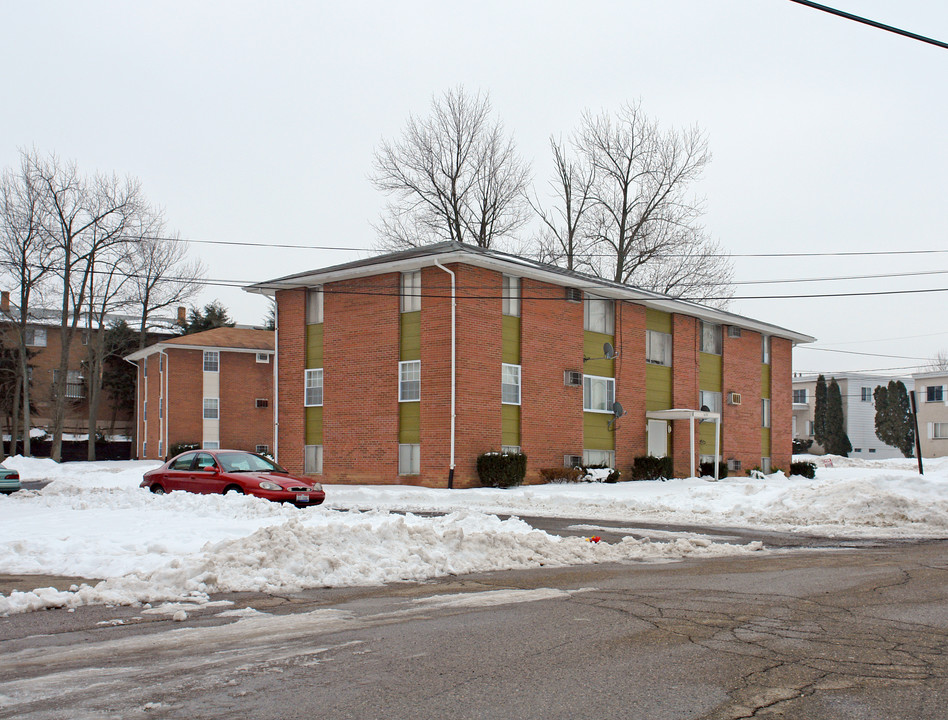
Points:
x=931, y=400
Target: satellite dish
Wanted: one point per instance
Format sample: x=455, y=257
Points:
x=705, y=408
x=608, y=351
x=617, y=409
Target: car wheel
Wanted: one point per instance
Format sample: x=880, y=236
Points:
x=157, y=490
x=233, y=490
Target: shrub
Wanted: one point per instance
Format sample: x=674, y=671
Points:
x=648, y=467
x=706, y=469
x=501, y=469
x=801, y=447
x=804, y=469
x=561, y=474
x=179, y=448
x=590, y=474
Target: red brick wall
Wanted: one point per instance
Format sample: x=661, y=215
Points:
x=630, y=384
x=551, y=343
x=360, y=380
x=741, y=370
x=436, y=381
x=685, y=335
x=291, y=351
x=185, y=398
x=781, y=402
x=243, y=425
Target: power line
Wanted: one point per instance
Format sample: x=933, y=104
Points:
x=872, y=23
x=853, y=352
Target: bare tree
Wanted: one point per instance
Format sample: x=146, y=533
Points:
x=643, y=226
x=454, y=175
x=938, y=363
x=561, y=241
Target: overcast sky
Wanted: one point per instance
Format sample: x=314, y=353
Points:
x=257, y=122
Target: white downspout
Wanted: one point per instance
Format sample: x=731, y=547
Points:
x=162, y=396
x=276, y=382
x=453, y=366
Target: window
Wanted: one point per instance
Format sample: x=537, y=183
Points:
x=809, y=428
x=183, y=462
x=75, y=384
x=161, y=412
x=409, y=459
x=313, y=388
x=159, y=448
x=409, y=381
x=210, y=445
x=262, y=402
x=658, y=348
x=939, y=431
x=314, y=306
x=710, y=400
x=765, y=349
x=599, y=315
x=710, y=338
x=262, y=449
x=211, y=408
x=161, y=363
x=866, y=394
x=145, y=367
x=599, y=457
x=510, y=449
x=411, y=291
x=313, y=459
x=212, y=361
x=263, y=357
x=145, y=449
x=765, y=412
x=36, y=337
x=599, y=393
x=511, y=296
x=799, y=397
x=510, y=384
x=765, y=466
x=934, y=393
x=145, y=411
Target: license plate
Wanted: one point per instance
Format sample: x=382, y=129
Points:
x=302, y=498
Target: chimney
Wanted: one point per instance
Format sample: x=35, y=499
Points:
x=182, y=316
x=5, y=301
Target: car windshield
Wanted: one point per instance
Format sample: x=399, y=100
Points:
x=246, y=462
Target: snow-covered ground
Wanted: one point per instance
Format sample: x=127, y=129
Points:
x=93, y=521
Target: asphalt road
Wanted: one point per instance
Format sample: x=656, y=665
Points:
x=858, y=632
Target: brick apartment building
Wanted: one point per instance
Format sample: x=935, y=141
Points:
x=212, y=388
x=366, y=382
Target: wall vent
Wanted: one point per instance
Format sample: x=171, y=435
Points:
x=573, y=378
x=733, y=398
x=263, y=402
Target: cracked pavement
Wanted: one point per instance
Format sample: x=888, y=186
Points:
x=838, y=633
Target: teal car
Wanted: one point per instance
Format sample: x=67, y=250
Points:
x=9, y=481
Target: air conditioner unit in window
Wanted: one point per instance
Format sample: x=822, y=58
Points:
x=733, y=398
x=733, y=465
x=574, y=294
x=733, y=331
x=263, y=402
x=572, y=460
x=573, y=378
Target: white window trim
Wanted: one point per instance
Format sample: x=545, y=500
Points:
x=263, y=357
x=316, y=293
x=713, y=406
x=667, y=343
x=307, y=374
x=765, y=417
x=717, y=336
x=414, y=459
x=401, y=367
x=610, y=457
x=765, y=349
x=209, y=354
x=609, y=314
x=217, y=410
x=317, y=460
x=511, y=296
x=586, y=399
x=410, y=291
x=504, y=366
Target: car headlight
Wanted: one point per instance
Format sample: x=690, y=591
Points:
x=317, y=487
x=267, y=485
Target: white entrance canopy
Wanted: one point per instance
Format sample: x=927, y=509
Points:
x=692, y=415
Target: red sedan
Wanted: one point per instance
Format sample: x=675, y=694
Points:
x=225, y=471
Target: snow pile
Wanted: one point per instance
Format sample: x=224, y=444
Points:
x=93, y=521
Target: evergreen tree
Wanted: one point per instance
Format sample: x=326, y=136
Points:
x=819, y=413
x=214, y=316
x=894, y=424
x=837, y=441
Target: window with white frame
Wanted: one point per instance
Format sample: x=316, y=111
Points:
x=313, y=387
x=599, y=393
x=510, y=384
x=765, y=412
x=263, y=357
x=212, y=408
x=211, y=445
x=212, y=361
x=313, y=459
x=599, y=457
x=939, y=431
x=510, y=449
x=411, y=291
x=711, y=338
x=314, y=306
x=809, y=428
x=935, y=393
x=511, y=296
x=765, y=349
x=36, y=337
x=409, y=381
x=599, y=315
x=866, y=394
x=710, y=400
x=658, y=348
x=409, y=459
x=262, y=449
x=799, y=396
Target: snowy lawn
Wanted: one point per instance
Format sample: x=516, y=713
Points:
x=93, y=521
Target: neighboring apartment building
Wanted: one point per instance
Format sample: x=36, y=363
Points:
x=931, y=403
x=859, y=411
x=403, y=368
x=212, y=388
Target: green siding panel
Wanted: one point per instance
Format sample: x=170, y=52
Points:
x=592, y=348
x=410, y=344
x=658, y=321
x=709, y=372
x=314, y=347
x=510, y=338
x=409, y=422
x=596, y=432
x=705, y=439
x=314, y=426
x=510, y=425
x=658, y=387
x=765, y=381
x=765, y=445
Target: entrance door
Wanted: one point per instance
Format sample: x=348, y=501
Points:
x=658, y=438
